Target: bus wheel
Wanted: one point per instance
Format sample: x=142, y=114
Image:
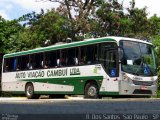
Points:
x=91, y=90
x=29, y=90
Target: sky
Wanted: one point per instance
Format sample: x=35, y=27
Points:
x=12, y=9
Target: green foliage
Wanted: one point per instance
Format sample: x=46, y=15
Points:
x=113, y=20
x=47, y=26
x=109, y=15
x=50, y=26
x=8, y=35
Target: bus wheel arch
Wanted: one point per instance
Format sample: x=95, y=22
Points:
x=91, y=89
x=29, y=91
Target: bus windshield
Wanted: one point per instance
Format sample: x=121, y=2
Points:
x=138, y=58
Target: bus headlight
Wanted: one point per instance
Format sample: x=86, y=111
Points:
x=130, y=81
x=127, y=79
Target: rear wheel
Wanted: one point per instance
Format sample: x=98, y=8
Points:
x=91, y=90
x=29, y=90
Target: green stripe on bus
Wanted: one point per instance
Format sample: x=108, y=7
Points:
x=77, y=82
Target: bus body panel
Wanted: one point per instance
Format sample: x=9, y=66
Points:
x=67, y=79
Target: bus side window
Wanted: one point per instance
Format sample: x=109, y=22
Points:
x=88, y=54
x=38, y=60
x=82, y=58
x=91, y=54
x=24, y=61
x=53, y=59
x=50, y=59
x=15, y=64
x=63, y=57
x=5, y=65
x=46, y=62
x=57, y=58
x=19, y=62
x=35, y=61
x=72, y=56
x=9, y=64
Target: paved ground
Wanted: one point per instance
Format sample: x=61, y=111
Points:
x=79, y=106
x=74, y=106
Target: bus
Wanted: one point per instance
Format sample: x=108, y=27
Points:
x=106, y=66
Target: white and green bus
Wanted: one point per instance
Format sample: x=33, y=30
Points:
x=93, y=67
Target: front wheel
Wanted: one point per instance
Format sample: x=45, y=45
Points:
x=91, y=90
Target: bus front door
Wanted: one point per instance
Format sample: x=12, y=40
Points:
x=112, y=69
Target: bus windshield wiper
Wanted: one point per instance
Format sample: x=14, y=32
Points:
x=136, y=73
x=144, y=64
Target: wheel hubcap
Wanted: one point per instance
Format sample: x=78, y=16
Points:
x=92, y=91
x=29, y=90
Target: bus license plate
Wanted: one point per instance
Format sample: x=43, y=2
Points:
x=143, y=87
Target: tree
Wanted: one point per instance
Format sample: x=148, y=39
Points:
x=8, y=35
x=155, y=35
x=42, y=27
x=155, y=25
x=77, y=13
x=108, y=16
x=114, y=21
x=139, y=23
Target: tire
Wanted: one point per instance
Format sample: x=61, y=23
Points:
x=91, y=90
x=29, y=91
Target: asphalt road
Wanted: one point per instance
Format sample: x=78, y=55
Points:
x=80, y=106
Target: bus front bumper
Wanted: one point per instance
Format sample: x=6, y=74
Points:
x=132, y=89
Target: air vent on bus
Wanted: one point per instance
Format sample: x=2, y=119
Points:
x=137, y=91
x=145, y=83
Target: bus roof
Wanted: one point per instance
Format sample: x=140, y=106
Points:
x=73, y=44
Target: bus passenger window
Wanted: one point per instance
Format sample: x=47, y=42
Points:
x=50, y=59
x=72, y=56
x=91, y=54
x=9, y=64
x=76, y=61
x=57, y=57
x=63, y=58
x=24, y=60
x=35, y=61
x=19, y=62
x=15, y=65
x=82, y=58
x=53, y=59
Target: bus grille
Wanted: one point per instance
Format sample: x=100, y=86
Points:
x=142, y=91
x=145, y=83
